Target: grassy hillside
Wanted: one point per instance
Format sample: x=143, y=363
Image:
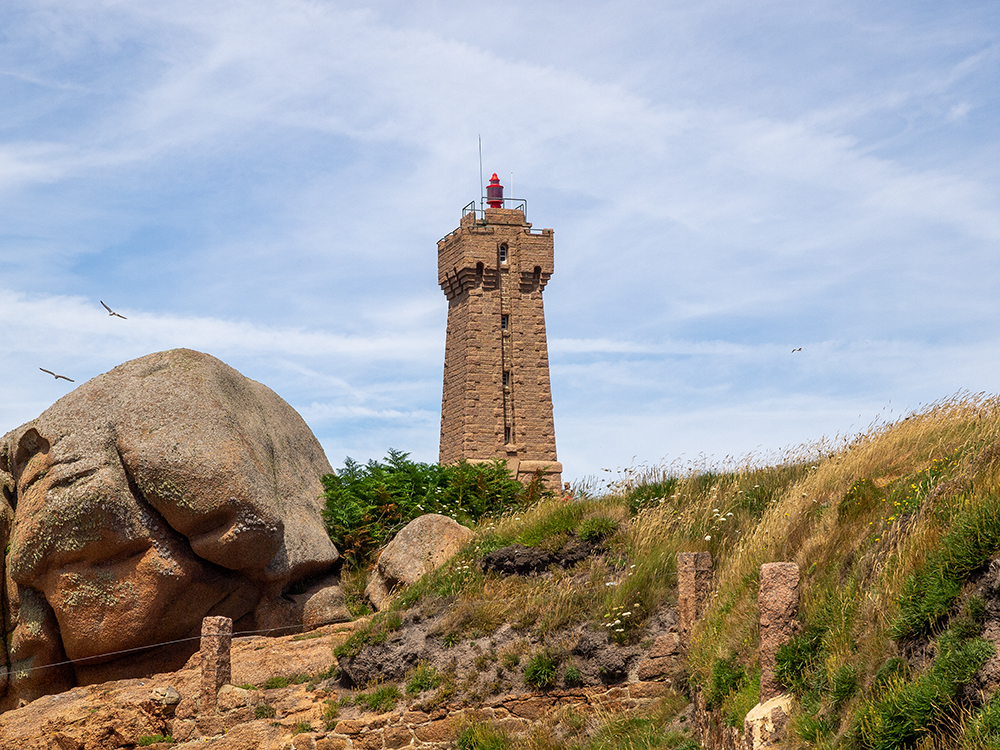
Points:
x=893, y=532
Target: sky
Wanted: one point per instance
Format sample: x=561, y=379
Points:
x=727, y=182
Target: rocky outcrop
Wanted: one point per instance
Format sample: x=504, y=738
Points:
x=422, y=546
x=518, y=560
x=166, y=490
x=766, y=724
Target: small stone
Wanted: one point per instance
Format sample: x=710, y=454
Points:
x=166, y=696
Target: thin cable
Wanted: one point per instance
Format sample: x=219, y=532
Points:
x=242, y=634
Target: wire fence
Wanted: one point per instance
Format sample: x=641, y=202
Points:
x=19, y=672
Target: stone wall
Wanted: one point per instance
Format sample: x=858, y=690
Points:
x=410, y=726
x=496, y=398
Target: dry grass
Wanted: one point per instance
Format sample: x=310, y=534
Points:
x=809, y=504
x=857, y=568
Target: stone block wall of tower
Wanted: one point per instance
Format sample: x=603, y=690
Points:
x=497, y=399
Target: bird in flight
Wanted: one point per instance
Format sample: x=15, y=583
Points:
x=112, y=313
x=797, y=350
x=57, y=377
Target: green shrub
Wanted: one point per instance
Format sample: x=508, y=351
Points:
x=572, y=676
x=276, y=682
x=727, y=677
x=302, y=727
x=737, y=703
x=794, y=661
x=540, y=671
x=813, y=729
x=843, y=684
x=894, y=669
x=264, y=711
x=367, y=504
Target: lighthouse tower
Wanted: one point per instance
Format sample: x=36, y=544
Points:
x=497, y=401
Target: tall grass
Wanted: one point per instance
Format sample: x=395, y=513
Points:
x=885, y=530
x=885, y=527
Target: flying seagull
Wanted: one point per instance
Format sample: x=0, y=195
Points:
x=797, y=350
x=57, y=377
x=112, y=313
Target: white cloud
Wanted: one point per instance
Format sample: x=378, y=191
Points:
x=266, y=182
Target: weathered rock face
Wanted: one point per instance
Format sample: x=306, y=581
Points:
x=423, y=545
x=166, y=490
x=766, y=723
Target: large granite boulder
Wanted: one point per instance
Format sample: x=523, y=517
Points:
x=423, y=545
x=166, y=490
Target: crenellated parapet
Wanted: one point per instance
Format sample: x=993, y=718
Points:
x=472, y=256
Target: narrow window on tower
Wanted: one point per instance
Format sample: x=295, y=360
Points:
x=504, y=322
x=503, y=253
x=506, y=435
x=506, y=377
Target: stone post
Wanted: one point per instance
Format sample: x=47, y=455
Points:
x=694, y=585
x=216, y=665
x=778, y=604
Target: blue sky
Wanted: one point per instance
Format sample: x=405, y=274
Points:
x=727, y=181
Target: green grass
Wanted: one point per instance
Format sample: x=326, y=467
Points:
x=541, y=670
x=264, y=711
x=147, y=740
x=902, y=712
x=483, y=737
x=424, y=677
x=982, y=731
x=930, y=592
x=597, y=528
x=379, y=700
x=378, y=630
x=727, y=677
x=639, y=733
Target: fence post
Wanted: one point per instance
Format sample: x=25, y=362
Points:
x=694, y=586
x=778, y=605
x=216, y=664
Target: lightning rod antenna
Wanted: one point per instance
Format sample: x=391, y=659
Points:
x=481, y=188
